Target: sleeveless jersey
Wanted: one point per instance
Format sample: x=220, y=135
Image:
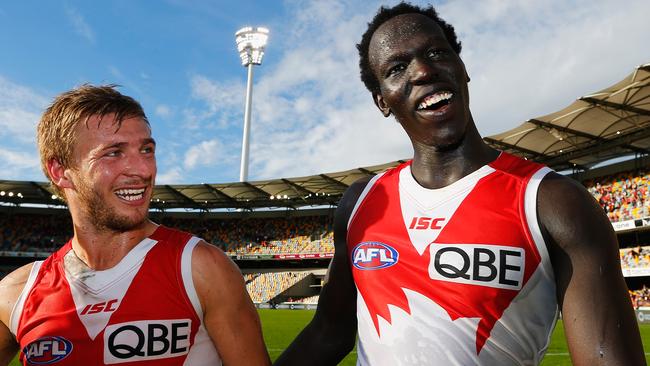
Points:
x=143, y=311
x=453, y=276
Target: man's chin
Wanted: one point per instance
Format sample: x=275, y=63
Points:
x=448, y=146
x=115, y=222
x=122, y=224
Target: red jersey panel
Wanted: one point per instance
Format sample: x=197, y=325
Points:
x=143, y=311
x=458, y=275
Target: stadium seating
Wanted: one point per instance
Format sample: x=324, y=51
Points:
x=641, y=297
x=308, y=234
x=304, y=300
x=266, y=286
x=638, y=257
x=623, y=196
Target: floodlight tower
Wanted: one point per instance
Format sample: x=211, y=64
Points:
x=251, y=42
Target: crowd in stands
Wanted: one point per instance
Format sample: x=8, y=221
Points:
x=307, y=234
x=638, y=257
x=304, y=300
x=640, y=297
x=266, y=286
x=34, y=233
x=623, y=196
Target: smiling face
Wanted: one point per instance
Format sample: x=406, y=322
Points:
x=113, y=175
x=422, y=81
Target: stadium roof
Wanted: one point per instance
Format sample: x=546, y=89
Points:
x=597, y=127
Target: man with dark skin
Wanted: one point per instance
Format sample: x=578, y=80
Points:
x=472, y=311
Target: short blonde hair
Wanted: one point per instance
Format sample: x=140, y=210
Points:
x=56, y=129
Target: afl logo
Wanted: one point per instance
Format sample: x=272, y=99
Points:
x=371, y=255
x=47, y=350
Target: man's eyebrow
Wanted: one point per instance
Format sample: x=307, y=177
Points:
x=149, y=140
x=113, y=145
x=396, y=57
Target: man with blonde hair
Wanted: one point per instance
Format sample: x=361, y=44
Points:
x=123, y=289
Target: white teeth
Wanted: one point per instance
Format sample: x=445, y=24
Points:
x=130, y=194
x=435, y=98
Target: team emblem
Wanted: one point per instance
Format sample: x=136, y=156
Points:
x=371, y=255
x=47, y=350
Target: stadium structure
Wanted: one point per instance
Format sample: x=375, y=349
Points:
x=279, y=231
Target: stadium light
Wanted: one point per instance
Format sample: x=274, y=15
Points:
x=251, y=43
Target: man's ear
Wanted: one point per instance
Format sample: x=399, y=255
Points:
x=379, y=102
x=59, y=174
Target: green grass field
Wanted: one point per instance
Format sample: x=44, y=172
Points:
x=281, y=326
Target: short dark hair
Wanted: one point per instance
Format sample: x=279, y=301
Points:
x=383, y=15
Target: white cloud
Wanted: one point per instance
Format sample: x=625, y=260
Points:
x=20, y=165
x=529, y=59
x=163, y=111
x=79, y=23
x=20, y=110
x=225, y=102
x=203, y=154
x=526, y=59
x=173, y=175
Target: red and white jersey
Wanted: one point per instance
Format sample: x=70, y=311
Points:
x=453, y=276
x=143, y=311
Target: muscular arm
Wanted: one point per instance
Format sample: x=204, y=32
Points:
x=599, y=321
x=228, y=313
x=332, y=332
x=10, y=288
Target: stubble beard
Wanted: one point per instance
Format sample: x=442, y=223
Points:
x=104, y=218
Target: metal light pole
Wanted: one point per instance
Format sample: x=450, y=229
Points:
x=251, y=42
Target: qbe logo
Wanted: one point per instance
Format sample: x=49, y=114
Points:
x=47, y=350
x=484, y=265
x=146, y=340
x=374, y=255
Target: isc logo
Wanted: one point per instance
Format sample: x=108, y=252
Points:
x=424, y=223
x=484, y=265
x=146, y=340
x=374, y=255
x=47, y=350
x=105, y=306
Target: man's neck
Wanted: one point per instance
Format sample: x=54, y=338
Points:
x=103, y=249
x=434, y=169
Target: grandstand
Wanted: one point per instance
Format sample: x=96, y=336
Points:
x=279, y=232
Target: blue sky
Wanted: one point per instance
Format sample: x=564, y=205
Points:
x=311, y=113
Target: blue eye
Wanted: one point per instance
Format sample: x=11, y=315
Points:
x=148, y=150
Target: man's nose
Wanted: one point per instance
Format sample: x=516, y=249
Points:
x=141, y=165
x=422, y=71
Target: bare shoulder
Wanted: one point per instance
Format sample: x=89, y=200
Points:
x=556, y=187
x=567, y=211
x=10, y=288
x=213, y=273
x=208, y=255
x=353, y=192
x=348, y=201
